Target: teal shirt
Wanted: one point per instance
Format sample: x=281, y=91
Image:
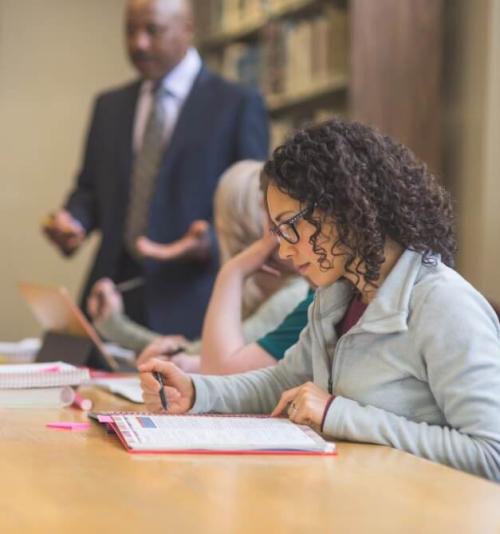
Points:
x=278, y=341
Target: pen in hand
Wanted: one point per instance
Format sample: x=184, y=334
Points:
x=163, y=397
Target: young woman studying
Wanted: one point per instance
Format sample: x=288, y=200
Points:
x=399, y=349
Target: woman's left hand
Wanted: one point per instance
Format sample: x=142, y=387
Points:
x=255, y=257
x=305, y=404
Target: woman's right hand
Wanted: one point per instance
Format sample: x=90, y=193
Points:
x=179, y=388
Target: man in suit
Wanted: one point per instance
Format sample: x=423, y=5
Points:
x=155, y=150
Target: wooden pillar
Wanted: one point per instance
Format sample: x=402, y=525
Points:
x=396, y=71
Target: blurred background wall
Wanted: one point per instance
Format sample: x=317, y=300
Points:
x=55, y=55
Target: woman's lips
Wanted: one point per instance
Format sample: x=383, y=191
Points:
x=303, y=268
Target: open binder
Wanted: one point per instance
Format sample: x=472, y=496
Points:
x=212, y=434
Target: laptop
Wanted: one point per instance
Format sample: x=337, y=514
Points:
x=68, y=335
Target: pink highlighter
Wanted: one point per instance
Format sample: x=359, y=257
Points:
x=68, y=425
x=82, y=403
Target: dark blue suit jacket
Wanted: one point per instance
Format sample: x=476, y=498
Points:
x=219, y=124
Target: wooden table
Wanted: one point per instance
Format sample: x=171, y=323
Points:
x=84, y=481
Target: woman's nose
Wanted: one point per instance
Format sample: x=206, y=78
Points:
x=286, y=250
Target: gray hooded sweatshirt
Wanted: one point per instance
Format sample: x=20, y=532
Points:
x=420, y=371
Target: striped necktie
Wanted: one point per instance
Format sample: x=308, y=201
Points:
x=145, y=172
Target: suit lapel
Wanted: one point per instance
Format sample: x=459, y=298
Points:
x=125, y=134
x=192, y=108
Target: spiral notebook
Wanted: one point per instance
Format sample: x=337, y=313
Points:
x=212, y=434
x=41, y=375
x=39, y=385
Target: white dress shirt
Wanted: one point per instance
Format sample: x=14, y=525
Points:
x=177, y=84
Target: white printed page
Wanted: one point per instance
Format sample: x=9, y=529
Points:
x=129, y=388
x=217, y=433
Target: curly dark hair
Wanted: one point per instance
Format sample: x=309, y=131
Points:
x=371, y=187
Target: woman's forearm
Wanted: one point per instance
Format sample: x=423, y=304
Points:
x=222, y=329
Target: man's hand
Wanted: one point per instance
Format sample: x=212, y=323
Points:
x=64, y=231
x=104, y=300
x=194, y=245
x=179, y=388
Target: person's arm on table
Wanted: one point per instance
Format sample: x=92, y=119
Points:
x=256, y=391
x=105, y=306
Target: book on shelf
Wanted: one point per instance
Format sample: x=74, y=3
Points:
x=290, y=56
x=241, y=63
x=280, y=130
x=313, y=50
x=284, y=127
x=39, y=385
x=214, y=17
x=323, y=114
x=212, y=434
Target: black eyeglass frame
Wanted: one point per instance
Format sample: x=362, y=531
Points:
x=276, y=229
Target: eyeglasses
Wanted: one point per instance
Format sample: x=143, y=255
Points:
x=287, y=229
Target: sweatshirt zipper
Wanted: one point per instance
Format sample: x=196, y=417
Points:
x=334, y=360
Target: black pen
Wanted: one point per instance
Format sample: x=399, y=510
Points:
x=163, y=398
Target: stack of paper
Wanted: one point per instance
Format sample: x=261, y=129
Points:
x=127, y=387
x=39, y=385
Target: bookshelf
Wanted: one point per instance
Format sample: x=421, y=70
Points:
x=315, y=91
x=376, y=61
x=293, y=51
x=245, y=23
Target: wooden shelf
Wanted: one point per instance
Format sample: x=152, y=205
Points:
x=248, y=29
x=282, y=102
x=305, y=101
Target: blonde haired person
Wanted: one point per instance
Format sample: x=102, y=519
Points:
x=239, y=221
x=264, y=300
